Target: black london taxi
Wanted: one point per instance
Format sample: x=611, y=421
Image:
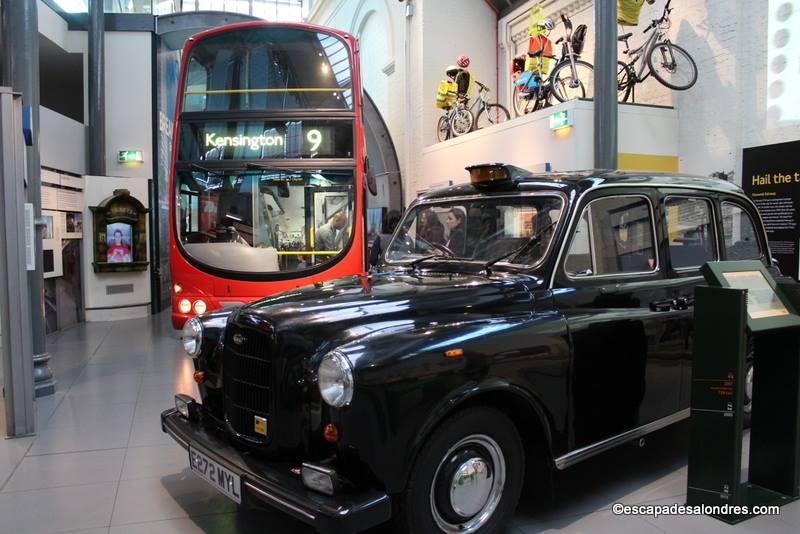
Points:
x=519, y=323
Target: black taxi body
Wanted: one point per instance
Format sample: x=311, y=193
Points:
x=519, y=323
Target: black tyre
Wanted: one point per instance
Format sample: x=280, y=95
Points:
x=672, y=66
x=624, y=86
x=490, y=115
x=568, y=85
x=443, y=129
x=461, y=122
x=467, y=478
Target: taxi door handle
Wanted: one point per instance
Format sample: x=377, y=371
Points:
x=662, y=305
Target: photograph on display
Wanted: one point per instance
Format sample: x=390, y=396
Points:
x=73, y=227
x=49, y=231
x=119, y=239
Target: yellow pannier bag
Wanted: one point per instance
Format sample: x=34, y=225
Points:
x=446, y=94
x=628, y=11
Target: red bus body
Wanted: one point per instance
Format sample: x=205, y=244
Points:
x=193, y=282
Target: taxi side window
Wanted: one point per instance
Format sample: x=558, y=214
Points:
x=614, y=236
x=739, y=233
x=690, y=232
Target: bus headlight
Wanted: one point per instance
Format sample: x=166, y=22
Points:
x=192, y=336
x=335, y=379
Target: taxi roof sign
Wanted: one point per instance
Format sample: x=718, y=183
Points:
x=495, y=174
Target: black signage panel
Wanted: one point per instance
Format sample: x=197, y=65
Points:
x=771, y=178
x=265, y=139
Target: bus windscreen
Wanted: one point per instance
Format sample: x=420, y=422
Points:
x=268, y=69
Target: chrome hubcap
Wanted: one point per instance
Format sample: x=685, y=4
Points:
x=468, y=485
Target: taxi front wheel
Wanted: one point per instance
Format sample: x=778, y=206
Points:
x=467, y=478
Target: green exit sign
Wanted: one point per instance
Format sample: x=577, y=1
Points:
x=130, y=156
x=560, y=119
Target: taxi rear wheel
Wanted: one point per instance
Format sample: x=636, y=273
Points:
x=467, y=478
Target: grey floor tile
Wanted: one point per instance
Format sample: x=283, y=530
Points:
x=790, y=514
x=169, y=497
x=250, y=522
x=57, y=509
x=12, y=451
x=595, y=523
x=154, y=461
x=146, y=431
x=56, y=470
x=73, y=439
x=80, y=412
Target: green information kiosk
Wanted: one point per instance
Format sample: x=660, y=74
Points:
x=741, y=300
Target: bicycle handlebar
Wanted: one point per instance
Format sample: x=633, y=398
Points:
x=482, y=86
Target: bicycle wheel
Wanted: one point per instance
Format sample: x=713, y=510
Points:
x=523, y=102
x=672, y=66
x=566, y=86
x=462, y=122
x=443, y=129
x=490, y=115
x=624, y=79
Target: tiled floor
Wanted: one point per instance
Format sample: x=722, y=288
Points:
x=100, y=464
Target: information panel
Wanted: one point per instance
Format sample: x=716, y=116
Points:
x=771, y=178
x=767, y=308
x=265, y=139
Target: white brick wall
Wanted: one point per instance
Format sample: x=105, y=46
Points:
x=724, y=112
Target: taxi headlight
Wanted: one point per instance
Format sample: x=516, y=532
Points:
x=192, y=336
x=335, y=378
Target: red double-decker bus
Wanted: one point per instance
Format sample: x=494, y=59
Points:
x=268, y=164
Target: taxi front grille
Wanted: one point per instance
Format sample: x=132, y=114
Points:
x=246, y=380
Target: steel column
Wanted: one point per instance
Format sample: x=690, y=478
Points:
x=21, y=43
x=605, y=85
x=97, y=89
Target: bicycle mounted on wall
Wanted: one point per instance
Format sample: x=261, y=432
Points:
x=570, y=78
x=670, y=64
x=461, y=118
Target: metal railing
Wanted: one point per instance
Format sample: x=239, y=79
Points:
x=287, y=10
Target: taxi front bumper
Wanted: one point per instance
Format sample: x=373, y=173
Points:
x=274, y=484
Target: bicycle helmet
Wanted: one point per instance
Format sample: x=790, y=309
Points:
x=548, y=24
x=462, y=61
x=451, y=71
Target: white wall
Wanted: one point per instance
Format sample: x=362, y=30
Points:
x=95, y=297
x=451, y=28
x=743, y=94
x=643, y=131
x=62, y=142
x=379, y=27
x=129, y=112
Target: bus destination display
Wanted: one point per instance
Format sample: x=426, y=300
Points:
x=265, y=139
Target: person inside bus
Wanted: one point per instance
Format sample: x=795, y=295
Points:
x=330, y=236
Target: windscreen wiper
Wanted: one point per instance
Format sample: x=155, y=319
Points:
x=414, y=263
x=517, y=251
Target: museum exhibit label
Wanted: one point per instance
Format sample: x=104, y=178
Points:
x=771, y=178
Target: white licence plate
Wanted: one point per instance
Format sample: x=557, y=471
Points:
x=218, y=476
